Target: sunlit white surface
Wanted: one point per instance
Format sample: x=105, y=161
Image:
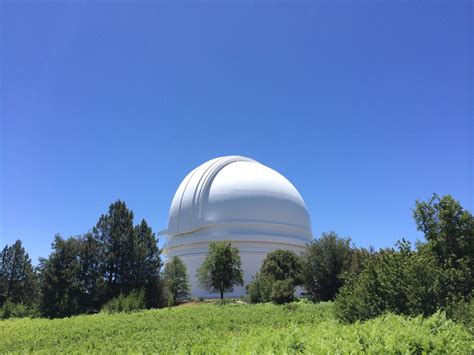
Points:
x=240, y=200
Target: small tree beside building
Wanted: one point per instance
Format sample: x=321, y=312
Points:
x=222, y=269
x=176, y=280
x=279, y=275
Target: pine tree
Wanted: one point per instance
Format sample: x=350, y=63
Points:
x=18, y=281
x=145, y=263
x=130, y=255
x=115, y=234
x=71, y=282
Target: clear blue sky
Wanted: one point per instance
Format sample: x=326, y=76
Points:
x=365, y=107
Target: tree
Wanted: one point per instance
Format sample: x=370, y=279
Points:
x=116, y=258
x=282, y=269
x=115, y=233
x=324, y=262
x=449, y=231
x=282, y=265
x=145, y=263
x=18, y=281
x=279, y=274
x=283, y=291
x=91, y=282
x=130, y=255
x=222, y=268
x=176, y=279
x=260, y=289
x=437, y=275
x=71, y=281
x=402, y=281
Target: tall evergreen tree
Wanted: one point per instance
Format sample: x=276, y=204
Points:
x=130, y=255
x=145, y=263
x=71, y=282
x=18, y=281
x=115, y=233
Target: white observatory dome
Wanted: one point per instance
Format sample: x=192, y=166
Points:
x=239, y=200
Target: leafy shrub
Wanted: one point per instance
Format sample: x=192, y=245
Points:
x=176, y=281
x=324, y=262
x=283, y=265
x=17, y=310
x=280, y=273
x=283, y=291
x=400, y=281
x=259, y=290
x=462, y=312
x=134, y=301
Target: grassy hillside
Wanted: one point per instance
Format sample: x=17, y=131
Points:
x=233, y=328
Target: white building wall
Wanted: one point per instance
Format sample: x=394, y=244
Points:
x=252, y=255
x=235, y=199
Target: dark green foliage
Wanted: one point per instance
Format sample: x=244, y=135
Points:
x=437, y=275
x=402, y=281
x=222, y=268
x=283, y=291
x=71, y=281
x=134, y=301
x=115, y=233
x=145, y=264
x=260, y=289
x=280, y=273
x=462, y=312
x=324, y=262
x=447, y=227
x=449, y=230
x=18, y=310
x=359, y=257
x=18, y=280
x=176, y=280
x=283, y=265
x=130, y=255
x=82, y=273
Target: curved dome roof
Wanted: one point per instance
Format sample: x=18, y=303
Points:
x=236, y=189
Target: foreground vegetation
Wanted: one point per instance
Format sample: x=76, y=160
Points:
x=235, y=328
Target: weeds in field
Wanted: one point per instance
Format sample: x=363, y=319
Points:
x=235, y=328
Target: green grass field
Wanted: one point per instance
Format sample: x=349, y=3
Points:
x=234, y=328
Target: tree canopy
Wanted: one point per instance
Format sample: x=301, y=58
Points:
x=18, y=281
x=438, y=274
x=176, y=279
x=83, y=273
x=71, y=281
x=325, y=263
x=221, y=270
x=280, y=273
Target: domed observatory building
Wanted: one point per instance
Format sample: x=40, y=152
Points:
x=236, y=199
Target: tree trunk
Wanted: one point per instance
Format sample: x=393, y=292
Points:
x=222, y=294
